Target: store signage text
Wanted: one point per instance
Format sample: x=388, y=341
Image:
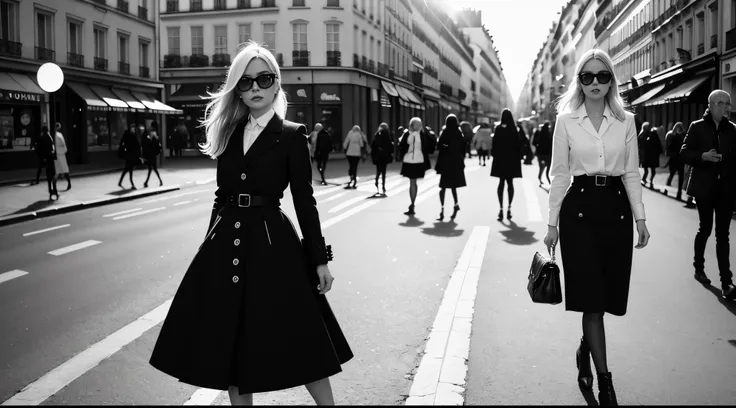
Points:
x=329, y=97
x=19, y=96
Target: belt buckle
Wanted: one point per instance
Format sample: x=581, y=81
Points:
x=602, y=182
x=244, y=200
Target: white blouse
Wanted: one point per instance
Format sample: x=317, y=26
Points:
x=579, y=149
x=254, y=128
x=414, y=155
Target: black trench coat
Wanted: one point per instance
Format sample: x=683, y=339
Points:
x=451, y=159
x=247, y=312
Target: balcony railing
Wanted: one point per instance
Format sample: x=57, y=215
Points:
x=244, y=4
x=75, y=60
x=220, y=60
x=298, y=3
x=123, y=68
x=199, y=60
x=333, y=59
x=10, y=48
x=371, y=66
x=144, y=72
x=730, y=39
x=382, y=69
x=44, y=54
x=333, y=3
x=416, y=78
x=123, y=6
x=300, y=58
x=142, y=13
x=269, y=3
x=701, y=48
x=195, y=5
x=446, y=89
x=100, y=64
x=364, y=63
x=172, y=61
x=714, y=41
x=356, y=61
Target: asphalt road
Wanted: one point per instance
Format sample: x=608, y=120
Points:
x=676, y=345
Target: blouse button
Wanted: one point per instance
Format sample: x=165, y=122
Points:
x=237, y=241
x=582, y=189
x=243, y=176
x=236, y=262
x=237, y=224
x=235, y=279
x=622, y=217
x=580, y=215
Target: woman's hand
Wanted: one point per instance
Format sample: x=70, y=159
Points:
x=325, y=279
x=550, y=240
x=641, y=227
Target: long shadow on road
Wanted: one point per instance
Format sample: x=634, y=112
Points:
x=444, y=229
x=517, y=235
x=38, y=205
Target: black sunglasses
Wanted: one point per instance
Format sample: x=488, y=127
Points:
x=603, y=77
x=264, y=81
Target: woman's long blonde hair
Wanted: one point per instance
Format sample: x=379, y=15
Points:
x=225, y=108
x=574, y=97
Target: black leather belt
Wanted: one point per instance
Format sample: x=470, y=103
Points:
x=598, y=180
x=247, y=201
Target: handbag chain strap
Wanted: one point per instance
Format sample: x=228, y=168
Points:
x=554, y=259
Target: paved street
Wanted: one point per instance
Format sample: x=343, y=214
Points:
x=82, y=295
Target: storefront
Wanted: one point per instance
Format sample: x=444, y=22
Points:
x=300, y=104
x=184, y=130
x=431, y=100
x=22, y=113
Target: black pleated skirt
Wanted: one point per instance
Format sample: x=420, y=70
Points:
x=596, y=246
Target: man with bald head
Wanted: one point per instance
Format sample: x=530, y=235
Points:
x=710, y=148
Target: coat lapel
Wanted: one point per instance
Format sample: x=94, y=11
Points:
x=268, y=138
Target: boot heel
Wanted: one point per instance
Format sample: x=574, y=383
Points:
x=606, y=393
x=582, y=362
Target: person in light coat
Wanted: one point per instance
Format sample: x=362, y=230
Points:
x=60, y=164
x=353, y=146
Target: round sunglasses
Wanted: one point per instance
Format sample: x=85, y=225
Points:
x=264, y=81
x=603, y=77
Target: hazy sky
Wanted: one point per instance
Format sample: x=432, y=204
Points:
x=519, y=28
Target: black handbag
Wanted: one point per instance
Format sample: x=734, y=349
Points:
x=544, y=280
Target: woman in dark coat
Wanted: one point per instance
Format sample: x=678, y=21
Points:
x=322, y=150
x=543, y=150
x=451, y=163
x=506, y=153
x=382, y=153
x=151, y=146
x=251, y=314
x=674, y=140
x=130, y=151
x=652, y=148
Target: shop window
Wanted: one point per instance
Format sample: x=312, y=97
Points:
x=19, y=126
x=98, y=131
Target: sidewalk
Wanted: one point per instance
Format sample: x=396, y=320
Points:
x=96, y=185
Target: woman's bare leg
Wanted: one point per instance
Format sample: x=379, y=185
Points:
x=321, y=392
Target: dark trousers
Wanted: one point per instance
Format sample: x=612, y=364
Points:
x=50, y=174
x=321, y=166
x=353, y=169
x=677, y=167
x=722, y=206
x=381, y=172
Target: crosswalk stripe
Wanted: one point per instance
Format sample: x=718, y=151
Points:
x=115, y=214
x=334, y=220
x=346, y=204
x=16, y=273
x=155, y=200
x=203, y=396
x=46, y=230
x=334, y=197
x=329, y=190
x=122, y=217
x=75, y=247
x=532, y=202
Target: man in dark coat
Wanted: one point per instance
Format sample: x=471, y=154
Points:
x=322, y=149
x=130, y=151
x=46, y=151
x=710, y=148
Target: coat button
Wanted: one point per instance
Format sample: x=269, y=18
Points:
x=235, y=279
x=242, y=176
x=237, y=224
x=622, y=217
x=236, y=262
x=582, y=189
x=237, y=241
x=580, y=215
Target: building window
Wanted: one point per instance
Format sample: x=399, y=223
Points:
x=243, y=33
x=9, y=21
x=298, y=3
x=220, y=39
x=220, y=5
x=75, y=37
x=269, y=35
x=300, y=37
x=333, y=37
x=44, y=30
x=100, y=35
x=143, y=54
x=197, y=41
x=123, y=50
x=173, y=37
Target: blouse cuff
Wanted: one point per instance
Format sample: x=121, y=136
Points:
x=639, y=211
x=553, y=218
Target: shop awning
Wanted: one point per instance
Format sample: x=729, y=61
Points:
x=89, y=97
x=647, y=95
x=667, y=75
x=389, y=88
x=190, y=92
x=682, y=91
x=156, y=106
x=642, y=74
x=430, y=93
x=106, y=94
x=22, y=85
x=410, y=97
x=126, y=97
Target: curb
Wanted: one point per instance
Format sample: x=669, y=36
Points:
x=49, y=212
x=5, y=183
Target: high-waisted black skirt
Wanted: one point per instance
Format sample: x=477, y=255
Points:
x=596, y=246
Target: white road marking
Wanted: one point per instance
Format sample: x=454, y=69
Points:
x=46, y=230
x=15, y=273
x=203, y=396
x=58, y=378
x=209, y=180
x=346, y=204
x=334, y=220
x=329, y=190
x=122, y=217
x=440, y=378
x=178, y=195
x=122, y=212
x=532, y=202
x=75, y=247
x=182, y=202
x=334, y=197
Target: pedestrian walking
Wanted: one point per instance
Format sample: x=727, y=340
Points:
x=130, y=151
x=543, y=150
x=46, y=151
x=652, y=149
x=526, y=147
x=415, y=148
x=250, y=314
x=506, y=153
x=673, y=142
x=595, y=214
x=382, y=153
x=467, y=137
x=710, y=148
x=60, y=164
x=482, y=141
x=313, y=139
x=151, y=146
x=353, y=146
x=322, y=149
x=451, y=163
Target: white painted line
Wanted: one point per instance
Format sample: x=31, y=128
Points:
x=346, y=204
x=75, y=247
x=346, y=214
x=46, y=230
x=334, y=197
x=15, y=273
x=122, y=217
x=58, y=378
x=122, y=212
x=440, y=378
x=205, y=181
x=328, y=190
x=203, y=396
x=532, y=203
x=182, y=202
x=155, y=200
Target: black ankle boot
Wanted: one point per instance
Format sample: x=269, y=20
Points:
x=606, y=393
x=442, y=214
x=411, y=210
x=582, y=361
x=455, y=209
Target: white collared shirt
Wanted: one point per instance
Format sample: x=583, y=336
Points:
x=254, y=127
x=414, y=155
x=579, y=149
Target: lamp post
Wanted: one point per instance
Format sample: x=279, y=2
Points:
x=50, y=78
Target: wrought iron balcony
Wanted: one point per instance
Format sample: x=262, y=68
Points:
x=220, y=5
x=416, y=78
x=44, y=54
x=446, y=89
x=714, y=41
x=142, y=13
x=10, y=48
x=76, y=60
x=382, y=69
x=356, y=61
x=701, y=48
x=371, y=66
x=364, y=63
x=298, y=3
x=100, y=64
x=333, y=59
x=269, y=3
x=123, y=6
x=144, y=72
x=244, y=4
x=199, y=60
x=220, y=60
x=123, y=68
x=333, y=3
x=300, y=58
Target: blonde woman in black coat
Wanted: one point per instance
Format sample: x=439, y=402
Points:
x=251, y=314
x=451, y=163
x=382, y=153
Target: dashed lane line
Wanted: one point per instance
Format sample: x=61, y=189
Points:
x=155, y=200
x=75, y=247
x=115, y=214
x=15, y=273
x=122, y=217
x=46, y=230
x=182, y=202
x=205, y=181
